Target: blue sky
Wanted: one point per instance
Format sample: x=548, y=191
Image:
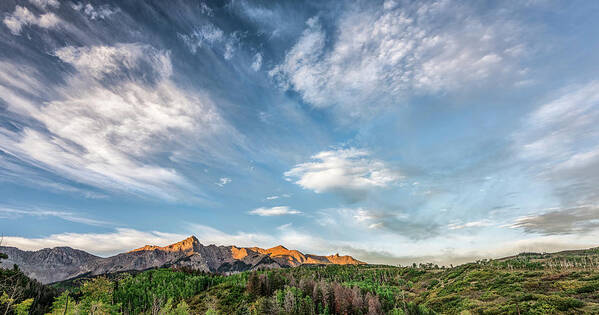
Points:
x=393, y=131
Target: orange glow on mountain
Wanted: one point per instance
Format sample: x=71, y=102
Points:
x=187, y=245
x=279, y=253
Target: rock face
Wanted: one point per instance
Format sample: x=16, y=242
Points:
x=61, y=263
x=48, y=265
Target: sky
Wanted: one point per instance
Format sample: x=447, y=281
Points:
x=393, y=131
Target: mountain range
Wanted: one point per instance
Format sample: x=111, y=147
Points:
x=50, y=265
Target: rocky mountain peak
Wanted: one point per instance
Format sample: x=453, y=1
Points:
x=190, y=244
x=344, y=260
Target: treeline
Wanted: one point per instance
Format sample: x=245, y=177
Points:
x=285, y=291
x=539, y=262
x=353, y=289
x=161, y=291
x=152, y=289
x=307, y=296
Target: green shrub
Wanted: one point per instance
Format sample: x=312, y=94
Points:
x=589, y=288
x=562, y=303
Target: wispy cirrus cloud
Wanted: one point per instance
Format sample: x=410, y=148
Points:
x=12, y=213
x=115, y=113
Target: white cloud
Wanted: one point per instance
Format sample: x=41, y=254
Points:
x=580, y=160
x=377, y=56
x=201, y=36
x=223, y=181
x=376, y=225
x=126, y=239
x=206, y=9
x=284, y=226
x=48, y=20
x=231, y=44
x=104, y=244
x=472, y=224
x=257, y=63
x=560, y=140
x=229, y=50
x=43, y=4
x=101, y=61
x=101, y=12
x=362, y=215
x=212, y=37
x=274, y=211
x=343, y=169
x=275, y=197
x=558, y=129
x=107, y=135
x=23, y=17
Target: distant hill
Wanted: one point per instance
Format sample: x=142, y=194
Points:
x=61, y=263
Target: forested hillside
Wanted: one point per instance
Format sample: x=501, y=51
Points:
x=21, y=295
x=557, y=283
